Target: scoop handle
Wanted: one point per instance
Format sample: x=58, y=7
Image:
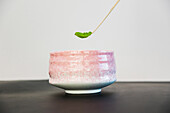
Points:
x=106, y=16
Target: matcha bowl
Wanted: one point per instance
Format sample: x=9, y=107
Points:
x=82, y=72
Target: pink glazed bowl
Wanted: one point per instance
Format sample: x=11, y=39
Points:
x=82, y=72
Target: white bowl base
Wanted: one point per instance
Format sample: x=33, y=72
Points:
x=83, y=91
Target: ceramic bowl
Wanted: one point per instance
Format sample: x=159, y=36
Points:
x=82, y=72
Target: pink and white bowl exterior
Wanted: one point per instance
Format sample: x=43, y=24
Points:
x=82, y=72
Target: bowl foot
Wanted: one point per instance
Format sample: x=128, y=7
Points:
x=83, y=91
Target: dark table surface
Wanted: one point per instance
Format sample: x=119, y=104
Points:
x=40, y=97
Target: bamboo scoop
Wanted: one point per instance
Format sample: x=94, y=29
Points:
x=86, y=34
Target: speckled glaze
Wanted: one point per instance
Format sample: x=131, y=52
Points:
x=82, y=70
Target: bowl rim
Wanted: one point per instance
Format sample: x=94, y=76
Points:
x=81, y=52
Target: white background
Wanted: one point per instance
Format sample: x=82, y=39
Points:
x=137, y=30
